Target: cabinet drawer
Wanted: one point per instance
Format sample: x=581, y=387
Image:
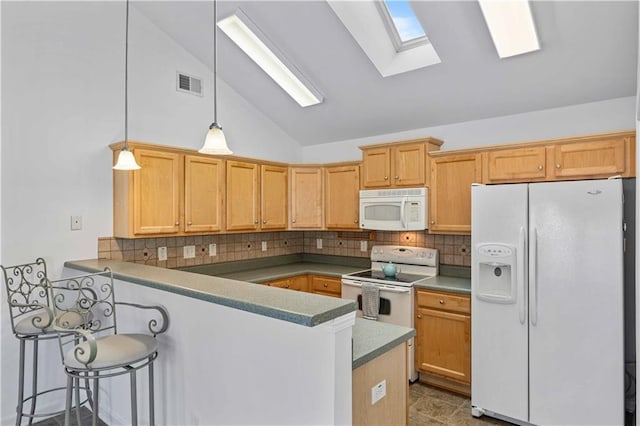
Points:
x=444, y=301
x=327, y=285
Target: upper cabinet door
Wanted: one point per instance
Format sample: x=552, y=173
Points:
x=274, y=195
x=157, y=192
x=450, y=194
x=376, y=166
x=342, y=191
x=242, y=196
x=515, y=165
x=409, y=164
x=204, y=194
x=306, y=197
x=590, y=159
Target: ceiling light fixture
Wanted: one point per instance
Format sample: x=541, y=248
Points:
x=511, y=26
x=126, y=160
x=243, y=32
x=215, y=142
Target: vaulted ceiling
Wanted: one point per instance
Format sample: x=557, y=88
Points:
x=588, y=53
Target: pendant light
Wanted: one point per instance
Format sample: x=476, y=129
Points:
x=215, y=142
x=126, y=160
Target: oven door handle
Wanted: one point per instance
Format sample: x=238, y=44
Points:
x=390, y=289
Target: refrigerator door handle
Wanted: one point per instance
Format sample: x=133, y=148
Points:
x=521, y=277
x=533, y=278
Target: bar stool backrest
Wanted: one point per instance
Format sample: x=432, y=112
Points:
x=26, y=289
x=86, y=302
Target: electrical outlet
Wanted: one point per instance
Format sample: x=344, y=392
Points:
x=76, y=223
x=264, y=246
x=319, y=243
x=189, y=252
x=162, y=253
x=212, y=249
x=378, y=392
x=363, y=245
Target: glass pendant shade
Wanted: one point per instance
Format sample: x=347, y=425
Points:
x=215, y=143
x=126, y=161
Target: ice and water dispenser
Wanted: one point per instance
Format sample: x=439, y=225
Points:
x=496, y=273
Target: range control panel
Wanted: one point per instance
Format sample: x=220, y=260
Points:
x=405, y=254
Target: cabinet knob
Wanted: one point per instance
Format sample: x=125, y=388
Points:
x=293, y=220
x=355, y=220
x=558, y=166
x=386, y=178
x=255, y=223
x=326, y=285
x=189, y=223
x=177, y=223
x=433, y=222
x=441, y=302
x=540, y=167
x=419, y=316
x=286, y=286
x=397, y=177
x=264, y=221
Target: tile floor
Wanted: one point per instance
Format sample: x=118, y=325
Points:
x=432, y=406
x=85, y=419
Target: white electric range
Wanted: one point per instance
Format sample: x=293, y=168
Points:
x=414, y=265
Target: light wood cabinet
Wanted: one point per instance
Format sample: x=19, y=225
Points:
x=586, y=157
x=307, y=195
x=273, y=196
x=328, y=286
x=242, y=196
x=342, y=191
x=515, y=165
x=256, y=196
x=204, y=194
x=399, y=164
x=297, y=283
x=172, y=194
x=590, y=159
x=450, y=192
x=443, y=339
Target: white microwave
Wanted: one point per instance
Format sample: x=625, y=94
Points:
x=394, y=209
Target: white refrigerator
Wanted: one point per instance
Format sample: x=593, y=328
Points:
x=547, y=302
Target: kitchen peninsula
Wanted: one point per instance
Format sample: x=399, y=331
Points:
x=238, y=352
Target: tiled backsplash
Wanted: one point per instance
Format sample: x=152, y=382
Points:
x=454, y=249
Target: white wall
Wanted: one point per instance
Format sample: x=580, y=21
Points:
x=595, y=117
x=63, y=104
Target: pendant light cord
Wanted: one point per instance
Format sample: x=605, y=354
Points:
x=215, y=64
x=126, y=79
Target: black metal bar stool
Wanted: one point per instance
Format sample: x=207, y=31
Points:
x=29, y=297
x=103, y=352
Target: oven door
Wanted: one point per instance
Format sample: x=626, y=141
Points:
x=400, y=311
x=399, y=300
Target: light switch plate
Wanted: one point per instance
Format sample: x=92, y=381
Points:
x=189, y=252
x=162, y=253
x=319, y=243
x=212, y=250
x=76, y=223
x=378, y=392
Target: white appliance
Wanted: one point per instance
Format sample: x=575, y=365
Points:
x=414, y=265
x=547, y=302
x=394, y=209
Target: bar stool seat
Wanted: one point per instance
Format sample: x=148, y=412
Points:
x=28, y=326
x=113, y=351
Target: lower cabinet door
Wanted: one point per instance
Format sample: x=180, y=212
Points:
x=444, y=343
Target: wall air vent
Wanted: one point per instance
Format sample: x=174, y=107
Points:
x=189, y=84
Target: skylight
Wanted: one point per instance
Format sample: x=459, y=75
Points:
x=404, y=23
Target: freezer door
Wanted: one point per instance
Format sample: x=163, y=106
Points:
x=499, y=352
x=575, y=292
